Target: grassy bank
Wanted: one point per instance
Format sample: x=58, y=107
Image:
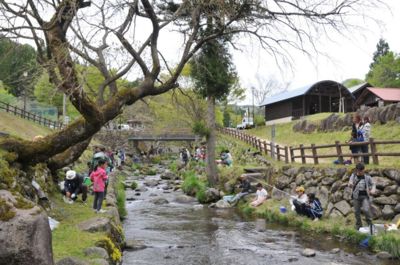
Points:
x=341, y=228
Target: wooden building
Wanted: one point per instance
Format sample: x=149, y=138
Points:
x=378, y=97
x=323, y=96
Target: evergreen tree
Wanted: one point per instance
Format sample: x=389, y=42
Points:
x=382, y=48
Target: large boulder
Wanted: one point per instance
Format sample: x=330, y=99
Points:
x=376, y=211
x=344, y=207
x=71, y=261
x=328, y=181
x=300, y=178
x=25, y=235
x=184, y=199
x=159, y=201
x=167, y=174
x=277, y=194
x=392, y=174
x=387, y=212
x=323, y=195
x=96, y=252
x=336, y=197
x=381, y=183
x=222, y=204
x=282, y=182
x=347, y=193
x=212, y=195
x=383, y=200
x=389, y=190
x=336, y=186
x=397, y=208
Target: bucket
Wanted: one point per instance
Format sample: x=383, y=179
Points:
x=282, y=209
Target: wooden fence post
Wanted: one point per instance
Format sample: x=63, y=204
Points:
x=339, y=152
x=271, y=149
x=303, y=159
x=286, y=155
x=314, y=153
x=265, y=147
x=278, y=155
x=373, y=151
x=291, y=154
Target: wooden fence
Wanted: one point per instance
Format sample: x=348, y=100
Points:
x=29, y=116
x=303, y=152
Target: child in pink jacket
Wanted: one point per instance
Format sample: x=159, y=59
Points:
x=99, y=177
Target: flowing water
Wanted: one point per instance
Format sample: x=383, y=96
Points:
x=187, y=233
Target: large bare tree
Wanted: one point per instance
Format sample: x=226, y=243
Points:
x=121, y=38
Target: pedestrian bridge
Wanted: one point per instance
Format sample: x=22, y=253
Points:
x=164, y=137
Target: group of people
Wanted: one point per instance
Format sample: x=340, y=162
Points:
x=100, y=166
x=361, y=184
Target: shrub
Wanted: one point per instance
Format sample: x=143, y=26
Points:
x=121, y=198
x=193, y=186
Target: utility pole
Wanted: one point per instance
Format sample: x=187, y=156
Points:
x=252, y=92
x=24, y=74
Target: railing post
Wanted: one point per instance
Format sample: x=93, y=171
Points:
x=291, y=154
x=302, y=154
x=265, y=147
x=286, y=155
x=372, y=144
x=259, y=145
x=271, y=149
x=339, y=152
x=314, y=153
x=278, y=155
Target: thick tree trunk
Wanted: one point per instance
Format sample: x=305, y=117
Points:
x=211, y=168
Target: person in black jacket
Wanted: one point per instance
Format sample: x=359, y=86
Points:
x=245, y=189
x=73, y=185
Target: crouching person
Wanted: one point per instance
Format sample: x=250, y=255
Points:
x=299, y=201
x=313, y=207
x=261, y=196
x=73, y=185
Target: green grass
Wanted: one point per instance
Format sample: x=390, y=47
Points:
x=68, y=240
x=285, y=135
x=121, y=197
x=22, y=128
x=194, y=186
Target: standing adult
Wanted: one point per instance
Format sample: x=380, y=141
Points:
x=362, y=189
x=355, y=149
x=365, y=130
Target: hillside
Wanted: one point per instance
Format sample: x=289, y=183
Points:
x=19, y=127
x=285, y=135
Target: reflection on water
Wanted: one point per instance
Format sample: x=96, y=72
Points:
x=188, y=234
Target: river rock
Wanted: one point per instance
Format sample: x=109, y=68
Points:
x=329, y=208
x=383, y=200
x=159, y=201
x=308, y=175
x=308, y=252
x=323, y=195
x=392, y=174
x=277, y=194
x=167, y=174
x=328, y=181
x=152, y=195
x=336, y=197
x=381, y=182
x=212, y=195
x=133, y=245
x=335, y=186
x=71, y=261
x=291, y=172
x=376, y=211
x=311, y=183
x=330, y=173
x=222, y=204
x=340, y=172
x=283, y=182
x=397, y=208
x=96, y=224
x=300, y=179
x=142, y=189
x=344, y=207
x=396, y=219
x=347, y=193
x=151, y=182
x=97, y=252
x=387, y=212
x=316, y=174
x=25, y=239
x=184, y=199
x=229, y=187
x=389, y=190
x=384, y=255
x=335, y=250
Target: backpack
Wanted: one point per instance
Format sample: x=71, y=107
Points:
x=184, y=156
x=360, y=136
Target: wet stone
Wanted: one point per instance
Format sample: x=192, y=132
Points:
x=383, y=255
x=133, y=245
x=335, y=250
x=308, y=252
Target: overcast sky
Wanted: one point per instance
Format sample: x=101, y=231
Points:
x=349, y=56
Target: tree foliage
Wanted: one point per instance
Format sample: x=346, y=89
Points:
x=386, y=71
x=18, y=66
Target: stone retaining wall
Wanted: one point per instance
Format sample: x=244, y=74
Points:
x=330, y=186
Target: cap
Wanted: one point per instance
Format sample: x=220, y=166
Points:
x=70, y=174
x=300, y=189
x=360, y=166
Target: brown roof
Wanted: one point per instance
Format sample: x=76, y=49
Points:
x=387, y=94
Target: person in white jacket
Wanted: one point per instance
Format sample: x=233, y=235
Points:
x=366, y=131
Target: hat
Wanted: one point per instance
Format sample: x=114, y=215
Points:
x=70, y=174
x=65, y=169
x=300, y=189
x=360, y=166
